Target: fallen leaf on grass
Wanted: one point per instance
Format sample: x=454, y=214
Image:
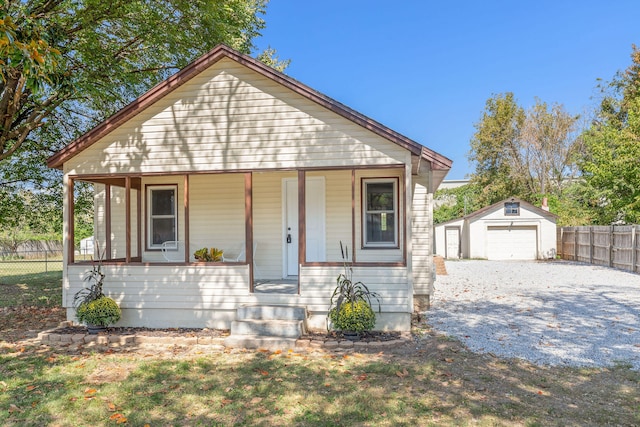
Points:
x=449, y=360
x=402, y=373
x=111, y=407
x=361, y=377
x=118, y=418
x=256, y=400
x=13, y=408
x=31, y=387
x=225, y=402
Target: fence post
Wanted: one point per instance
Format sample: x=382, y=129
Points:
x=634, y=256
x=575, y=243
x=590, y=244
x=611, y=246
x=46, y=264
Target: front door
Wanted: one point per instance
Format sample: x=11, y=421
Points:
x=315, y=223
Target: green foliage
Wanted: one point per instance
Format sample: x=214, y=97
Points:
x=349, y=292
x=67, y=65
x=208, y=255
x=452, y=203
x=103, y=311
x=493, y=146
x=610, y=165
x=355, y=316
x=521, y=152
x=95, y=278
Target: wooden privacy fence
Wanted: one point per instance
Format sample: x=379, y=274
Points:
x=614, y=246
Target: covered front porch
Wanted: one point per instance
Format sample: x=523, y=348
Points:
x=280, y=232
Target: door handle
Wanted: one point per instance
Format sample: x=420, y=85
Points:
x=289, y=238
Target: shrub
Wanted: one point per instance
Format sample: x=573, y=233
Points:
x=103, y=311
x=208, y=255
x=355, y=316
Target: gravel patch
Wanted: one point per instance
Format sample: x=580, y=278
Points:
x=549, y=313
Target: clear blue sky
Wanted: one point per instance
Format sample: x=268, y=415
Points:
x=426, y=68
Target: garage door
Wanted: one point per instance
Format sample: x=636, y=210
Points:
x=512, y=243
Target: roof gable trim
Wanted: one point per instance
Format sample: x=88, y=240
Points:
x=436, y=160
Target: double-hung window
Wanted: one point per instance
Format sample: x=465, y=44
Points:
x=380, y=212
x=162, y=218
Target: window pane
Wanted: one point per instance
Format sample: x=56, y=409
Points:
x=381, y=228
x=163, y=230
x=380, y=196
x=163, y=202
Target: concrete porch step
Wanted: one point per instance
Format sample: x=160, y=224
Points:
x=269, y=328
x=271, y=312
x=273, y=327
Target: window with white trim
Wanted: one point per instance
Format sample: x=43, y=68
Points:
x=512, y=209
x=380, y=212
x=162, y=218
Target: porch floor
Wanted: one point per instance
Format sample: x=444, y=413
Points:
x=276, y=286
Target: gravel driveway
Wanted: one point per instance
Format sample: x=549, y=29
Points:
x=550, y=313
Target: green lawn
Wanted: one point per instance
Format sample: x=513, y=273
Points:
x=259, y=388
x=30, y=283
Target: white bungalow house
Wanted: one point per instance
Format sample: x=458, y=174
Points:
x=229, y=153
x=511, y=229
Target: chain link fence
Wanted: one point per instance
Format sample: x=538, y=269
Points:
x=17, y=265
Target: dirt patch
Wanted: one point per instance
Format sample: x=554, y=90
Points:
x=18, y=323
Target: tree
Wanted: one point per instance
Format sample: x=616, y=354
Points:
x=452, y=203
x=523, y=153
x=83, y=60
x=495, y=149
x=610, y=162
x=66, y=65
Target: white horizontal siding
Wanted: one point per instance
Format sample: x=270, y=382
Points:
x=230, y=118
x=338, y=212
x=216, y=212
x=422, y=235
x=198, y=287
x=317, y=285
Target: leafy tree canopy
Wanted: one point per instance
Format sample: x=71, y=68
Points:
x=528, y=153
x=611, y=160
x=66, y=65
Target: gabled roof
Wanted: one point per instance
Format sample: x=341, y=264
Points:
x=480, y=212
x=437, y=161
x=501, y=203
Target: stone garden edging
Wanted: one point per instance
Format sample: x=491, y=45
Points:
x=53, y=338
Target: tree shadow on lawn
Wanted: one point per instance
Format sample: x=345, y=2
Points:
x=439, y=383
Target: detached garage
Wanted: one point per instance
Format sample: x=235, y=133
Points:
x=508, y=230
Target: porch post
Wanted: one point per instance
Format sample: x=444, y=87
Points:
x=248, y=216
x=127, y=218
x=70, y=222
x=186, y=218
x=353, y=215
x=107, y=222
x=139, y=220
x=302, y=227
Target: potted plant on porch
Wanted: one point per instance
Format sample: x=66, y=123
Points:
x=92, y=306
x=350, y=310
